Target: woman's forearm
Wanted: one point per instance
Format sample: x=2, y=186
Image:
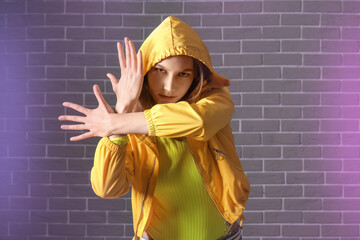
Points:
x=128, y=123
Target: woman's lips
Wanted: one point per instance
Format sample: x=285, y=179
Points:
x=166, y=97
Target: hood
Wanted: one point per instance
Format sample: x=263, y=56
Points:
x=174, y=37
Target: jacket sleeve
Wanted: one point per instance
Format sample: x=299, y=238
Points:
x=112, y=172
x=201, y=120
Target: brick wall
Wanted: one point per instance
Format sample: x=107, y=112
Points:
x=294, y=69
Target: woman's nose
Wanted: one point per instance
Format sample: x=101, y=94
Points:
x=169, y=83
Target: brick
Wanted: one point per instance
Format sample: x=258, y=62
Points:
x=339, y=20
x=80, y=165
x=300, y=99
x=100, y=73
x=141, y=21
x=14, y=216
x=87, y=217
x=47, y=164
x=341, y=204
x=48, y=190
x=64, y=20
x=66, y=229
x=82, y=7
x=13, y=190
x=345, y=152
x=262, y=72
x=321, y=86
x=46, y=86
x=45, y=112
x=322, y=217
x=351, y=165
x=266, y=178
x=25, y=20
x=303, y=204
x=24, y=125
x=323, y=191
x=349, y=86
x=283, y=217
x=342, y=73
x=123, y=7
x=264, y=204
x=351, y=7
x=70, y=178
x=24, y=46
x=322, y=59
x=220, y=47
x=243, y=6
x=161, y=7
x=282, y=112
x=339, y=125
x=31, y=177
x=202, y=7
x=253, y=217
x=301, y=19
x=262, y=230
x=282, y=59
x=119, y=217
x=57, y=98
x=351, y=59
x=340, y=231
x=46, y=59
x=41, y=6
x=300, y=45
x=281, y=138
x=283, y=165
x=259, y=125
x=235, y=125
x=261, y=46
x=27, y=229
x=260, y=19
x=300, y=230
x=243, y=59
x=350, y=112
x=320, y=165
x=67, y=204
x=256, y=191
x=247, y=139
x=85, y=60
x=65, y=72
x=209, y=33
x=117, y=204
x=216, y=60
x=17, y=60
x=261, y=99
x=84, y=33
x=28, y=72
x=252, y=165
x=45, y=32
x=342, y=46
x=14, y=164
x=283, y=191
x=65, y=151
x=221, y=20
x=281, y=32
x=103, y=20
x=81, y=191
x=242, y=33
x=10, y=34
x=48, y=216
x=27, y=150
x=305, y=178
x=350, y=217
x=105, y=230
x=342, y=178
x=301, y=152
x=12, y=7
x=321, y=112
x=320, y=139
x=230, y=72
x=301, y=73
x=64, y=46
x=282, y=86
x=118, y=34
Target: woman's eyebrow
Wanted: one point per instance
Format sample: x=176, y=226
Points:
x=185, y=70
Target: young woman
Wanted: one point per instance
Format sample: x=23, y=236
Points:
x=170, y=138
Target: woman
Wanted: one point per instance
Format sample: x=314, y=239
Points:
x=170, y=139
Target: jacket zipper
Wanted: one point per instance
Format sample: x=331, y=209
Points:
x=143, y=200
x=218, y=153
x=228, y=225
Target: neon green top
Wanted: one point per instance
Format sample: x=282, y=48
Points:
x=182, y=208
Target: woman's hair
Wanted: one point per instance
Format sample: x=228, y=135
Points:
x=201, y=74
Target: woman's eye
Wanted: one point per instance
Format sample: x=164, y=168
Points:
x=159, y=69
x=184, y=74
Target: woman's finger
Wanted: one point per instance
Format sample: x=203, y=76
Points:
x=82, y=136
x=113, y=81
x=121, y=56
x=127, y=49
x=133, y=55
x=72, y=118
x=140, y=64
x=76, y=107
x=74, y=127
x=100, y=98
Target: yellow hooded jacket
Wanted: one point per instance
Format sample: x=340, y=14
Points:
x=206, y=124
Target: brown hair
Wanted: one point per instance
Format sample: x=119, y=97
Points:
x=201, y=73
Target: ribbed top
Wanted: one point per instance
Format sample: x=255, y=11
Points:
x=182, y=208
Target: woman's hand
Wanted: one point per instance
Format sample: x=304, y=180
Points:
x=97, y=121
x=128, y=88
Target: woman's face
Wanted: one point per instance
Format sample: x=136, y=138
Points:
x=170, y=79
